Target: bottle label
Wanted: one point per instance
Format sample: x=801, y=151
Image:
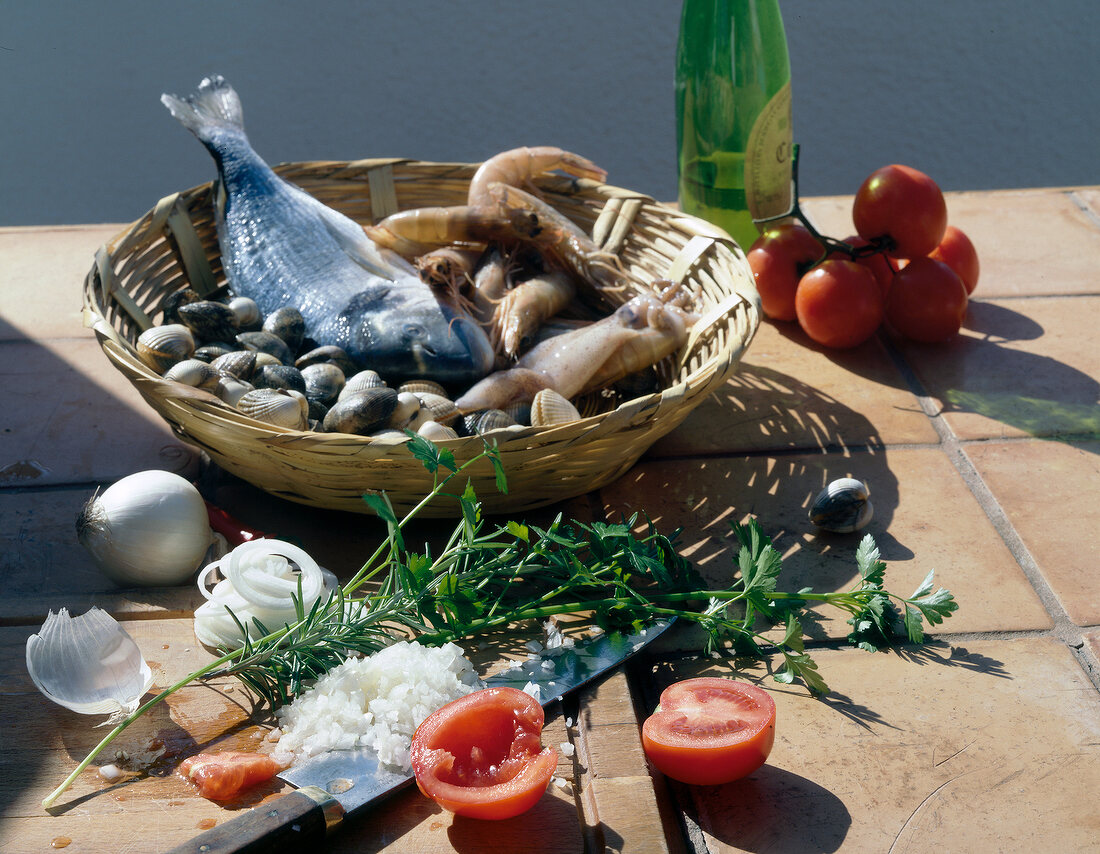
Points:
x=768, y=158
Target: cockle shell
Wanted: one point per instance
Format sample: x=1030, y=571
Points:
x=266, y=342
x=280, y=376
x=276, y=406
x=193, y=372
x=239, y=364
x=210, y=320
x=436, y=432
x=422, y=387
x=407, y=408
x=288, y=324
x=361, y=381
x=160, y=347
x=324, y=381
x=362, y=413
x=484, y=420
x=231, y=389
x=842, y=507
x=248, y=313
x=549, y=408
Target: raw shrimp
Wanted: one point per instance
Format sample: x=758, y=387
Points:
x=419, y=231
x=519, y=166
x=562, y=240
x=523, y=309
x=640, y=333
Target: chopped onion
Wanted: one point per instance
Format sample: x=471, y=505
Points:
x=259, y=579
x=88, y=664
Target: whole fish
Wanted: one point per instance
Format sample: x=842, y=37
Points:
x=281, y=246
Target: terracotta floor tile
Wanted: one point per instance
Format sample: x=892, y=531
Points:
x=1048, y=492
x=1090, y=199
x=789, y=393
x=41, y=278
x=1017, y=369
x=923, y=753
x=71, y=418
x=925, y=518
x=1017, y=248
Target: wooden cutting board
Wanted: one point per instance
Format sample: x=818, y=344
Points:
x=602, y=798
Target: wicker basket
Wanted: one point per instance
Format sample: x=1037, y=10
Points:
x=175, y=246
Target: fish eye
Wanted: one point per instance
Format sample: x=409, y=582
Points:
x=413, y=330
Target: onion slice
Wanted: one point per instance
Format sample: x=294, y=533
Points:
x=88, y=664
x=259, y=580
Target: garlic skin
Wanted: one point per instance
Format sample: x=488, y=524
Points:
x=88, y=664
x=149, y=529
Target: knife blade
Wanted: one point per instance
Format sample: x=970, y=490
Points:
x=332, y=787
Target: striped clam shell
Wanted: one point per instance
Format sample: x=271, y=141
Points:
x=422, y=387
x=210, y=320
x=276, y=406
x=436, y=432
x=361, y=381
x=550, y=408
x=362, y=413
x=324, y=381
x=842, y=507
x=239, y=363
x=288, y=324
x=266, y=342
x=160, y=347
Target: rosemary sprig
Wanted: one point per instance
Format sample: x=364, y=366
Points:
x=491, y=576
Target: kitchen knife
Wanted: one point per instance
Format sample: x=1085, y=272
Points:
x=332, y=787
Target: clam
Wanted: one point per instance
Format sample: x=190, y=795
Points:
x=484, y=420
x=362, y=413
x=422, y=387
x=249, y=317
x=288, y=324
x=842, y=507
x=266, y=342
x=438, y=407
x=230, y=389
x=323, y=382
x=279, y=407
x=210, y=320
x=436, y=432
x=329, y=353
x=407, y=408
x=239, y=364
x=172, y=302
x=279, y=376
x=209, y=351
x=549, y=408
x=193, y=372
x=160, y=347
x=361, y=381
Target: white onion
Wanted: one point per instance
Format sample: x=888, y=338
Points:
x=88, y=664
x=259, y=580
x=149, y=529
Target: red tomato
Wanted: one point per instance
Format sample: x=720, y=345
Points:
x=482, y=756
x=958, y=253
x=221, y=776
x=903, y=204
x=779, y=257
x=878, y=263
x=708, y=731
x=927, y=301
x=838, y=304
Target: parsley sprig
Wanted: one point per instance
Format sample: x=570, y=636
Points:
x=491, y=576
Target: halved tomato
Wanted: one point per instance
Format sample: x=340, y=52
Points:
x=221, y=776
x=708, y=731
x=482, y=756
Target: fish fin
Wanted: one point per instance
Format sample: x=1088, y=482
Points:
x=214, y=105
x=364, y=251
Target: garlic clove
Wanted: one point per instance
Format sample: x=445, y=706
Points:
x=88, y=664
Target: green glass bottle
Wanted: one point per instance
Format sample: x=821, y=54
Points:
x=733, y=114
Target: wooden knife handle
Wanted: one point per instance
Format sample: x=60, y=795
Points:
x=284, y=824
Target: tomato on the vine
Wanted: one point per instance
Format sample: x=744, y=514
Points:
x=838, y=303
x=958, y=253
x=708, y=731
x=779, y=257
x=904, y=205
x=482, y=756
x=927, y=301
x=877, y=262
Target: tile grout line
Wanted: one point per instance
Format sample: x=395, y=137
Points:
x=1064, y=629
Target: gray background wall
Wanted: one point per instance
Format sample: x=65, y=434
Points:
x=978, y=93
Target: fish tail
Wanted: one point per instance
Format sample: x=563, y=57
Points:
x=215, y=106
